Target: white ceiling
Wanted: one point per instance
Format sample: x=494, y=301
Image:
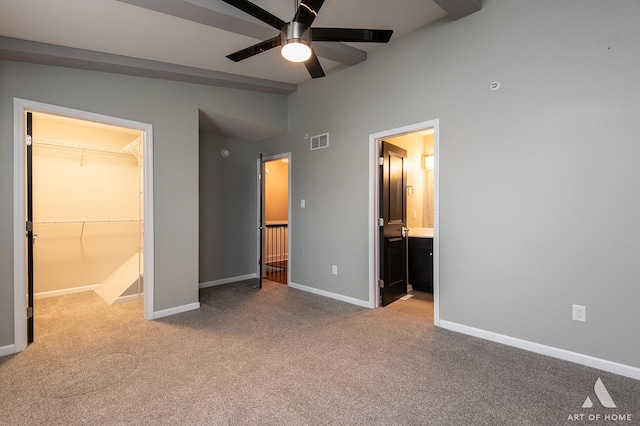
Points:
x=120, y=28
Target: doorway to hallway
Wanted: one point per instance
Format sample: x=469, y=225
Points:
x=276, y=213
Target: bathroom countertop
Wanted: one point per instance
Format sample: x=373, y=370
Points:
x=421, y=232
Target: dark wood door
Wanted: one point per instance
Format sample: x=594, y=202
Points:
x=393, y=229
x=29, y=226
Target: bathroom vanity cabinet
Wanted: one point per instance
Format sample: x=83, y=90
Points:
x=421, y=263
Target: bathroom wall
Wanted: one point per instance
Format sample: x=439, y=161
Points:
x=428, y=176
x=415, y=146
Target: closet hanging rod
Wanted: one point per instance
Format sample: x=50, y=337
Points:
x=84, y=147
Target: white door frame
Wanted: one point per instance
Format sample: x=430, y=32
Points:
x=286, y=155
x=20, y=106
x=374, y=214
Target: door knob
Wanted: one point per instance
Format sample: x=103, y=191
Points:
x=405, y=231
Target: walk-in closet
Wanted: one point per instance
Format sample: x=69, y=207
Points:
x=87, y=209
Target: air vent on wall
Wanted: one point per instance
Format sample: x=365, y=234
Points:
x=319, y=141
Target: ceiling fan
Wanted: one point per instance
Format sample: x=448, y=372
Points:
x=296, y=36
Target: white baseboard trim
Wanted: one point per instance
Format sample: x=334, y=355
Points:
x=129, y=298
x=55, y=293
x=589, y=361
x=227, y=280
x=353, y=301
x=176, y=310
x=7, y=350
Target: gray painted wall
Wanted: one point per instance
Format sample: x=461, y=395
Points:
x=172, y=108
x=539, y=197
x=228, y=208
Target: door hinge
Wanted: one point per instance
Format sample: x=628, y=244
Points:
x=28, y=140
x=381, y=283
x=29, y=226
x=381, y=161
x=29, y=312
x=381, y=222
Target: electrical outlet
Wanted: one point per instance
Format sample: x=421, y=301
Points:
x=579, y=313
x=334, y=269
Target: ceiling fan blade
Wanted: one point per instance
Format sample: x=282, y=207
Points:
x=257, y=12
x=313, y=66
x=351, y=35
x=255, y=49
x=307, y=11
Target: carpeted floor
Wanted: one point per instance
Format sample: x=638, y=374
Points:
x=279, y=356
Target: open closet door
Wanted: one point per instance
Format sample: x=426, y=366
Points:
x=29, y=226
x=261, y=223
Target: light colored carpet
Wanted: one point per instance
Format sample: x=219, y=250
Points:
x=279, y=356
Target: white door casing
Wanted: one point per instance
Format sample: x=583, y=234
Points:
x=374, y=213
x=20, y=106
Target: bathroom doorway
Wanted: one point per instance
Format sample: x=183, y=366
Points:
x=418, y=298
x=422, y=146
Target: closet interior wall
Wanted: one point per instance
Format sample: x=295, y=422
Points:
x=87, y=203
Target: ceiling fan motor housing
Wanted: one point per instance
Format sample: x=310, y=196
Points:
x=296, y=32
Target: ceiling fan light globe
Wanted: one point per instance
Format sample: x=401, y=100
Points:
x=296, y=51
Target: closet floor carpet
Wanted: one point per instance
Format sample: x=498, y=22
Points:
x=280, y=356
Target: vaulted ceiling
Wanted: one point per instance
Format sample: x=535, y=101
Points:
x=188, y=40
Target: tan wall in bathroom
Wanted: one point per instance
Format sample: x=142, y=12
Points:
x=414, y=145
x=428, y=215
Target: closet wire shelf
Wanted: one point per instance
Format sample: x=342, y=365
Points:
x=132, y=148
x=80, y=225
